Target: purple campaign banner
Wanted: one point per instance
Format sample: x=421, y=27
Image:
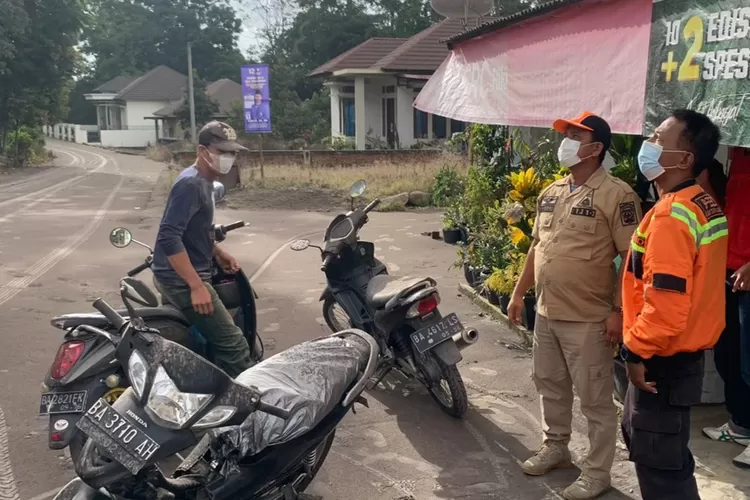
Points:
x=256, y=98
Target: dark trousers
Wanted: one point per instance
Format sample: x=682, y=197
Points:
x=732, y=357
x=656, y=427
x=229, y=346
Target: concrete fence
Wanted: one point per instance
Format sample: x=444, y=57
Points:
x=80, y=134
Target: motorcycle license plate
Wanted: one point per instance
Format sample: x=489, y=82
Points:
x=118, y=435
x=53, y=403
x=427, y=338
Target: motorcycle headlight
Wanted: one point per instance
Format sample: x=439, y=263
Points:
x=215, y=417
x=137, y=371
x=171, y=405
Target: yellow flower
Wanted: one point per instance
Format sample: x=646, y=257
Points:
x=516, y=235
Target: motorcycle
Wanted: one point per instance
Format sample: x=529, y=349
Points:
x=401, y=313
x=85, y=369
x=262, y=436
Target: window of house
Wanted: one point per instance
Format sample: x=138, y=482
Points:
x=347, y=117
x=349, y=89
x=457, y=126
x=439, y=129
x=389, y=89
x=420, y=124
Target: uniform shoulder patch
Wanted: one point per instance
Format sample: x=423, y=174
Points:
x=547, y=203
x=628, y=215
x=708, y=206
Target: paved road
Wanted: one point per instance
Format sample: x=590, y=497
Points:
x=55, y=258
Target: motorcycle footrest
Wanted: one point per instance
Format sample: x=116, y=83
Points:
x=378, y=377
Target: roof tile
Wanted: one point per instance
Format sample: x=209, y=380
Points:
x=159, y=84
x=363, y=56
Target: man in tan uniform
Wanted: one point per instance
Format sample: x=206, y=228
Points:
x=583, y=222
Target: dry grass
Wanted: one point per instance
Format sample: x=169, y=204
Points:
x=383, y=179
x=159, y=153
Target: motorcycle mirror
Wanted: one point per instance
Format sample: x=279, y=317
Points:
x=219, y=191
x=120, y=237
x=299, y=245
x=357, y=189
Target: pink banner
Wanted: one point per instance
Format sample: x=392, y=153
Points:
x=591, y=56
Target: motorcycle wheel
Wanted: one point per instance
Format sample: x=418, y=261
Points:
x=336, y=322
x=449, y=392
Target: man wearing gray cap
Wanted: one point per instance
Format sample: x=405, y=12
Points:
x=185, y=247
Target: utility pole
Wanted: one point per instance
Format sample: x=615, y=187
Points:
x=191, y=93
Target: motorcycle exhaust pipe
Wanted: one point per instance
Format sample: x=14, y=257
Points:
x=466, y=338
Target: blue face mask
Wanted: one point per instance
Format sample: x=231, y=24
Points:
x=648, y=160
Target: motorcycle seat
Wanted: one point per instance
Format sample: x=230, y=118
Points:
x=383, y=288
x=309, y=380
x=97, y=320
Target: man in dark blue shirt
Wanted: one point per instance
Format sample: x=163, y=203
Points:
x=185, y=247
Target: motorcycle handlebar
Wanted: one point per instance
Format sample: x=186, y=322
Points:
x=274, y=410
x=374, y=203
x=139, y=269
x=233, y=226
x=326, y=262
x=112, y=316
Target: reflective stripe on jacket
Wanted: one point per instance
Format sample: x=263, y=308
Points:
x=673, y=290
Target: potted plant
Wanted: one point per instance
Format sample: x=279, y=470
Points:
x=451, y=228
x=500, y=288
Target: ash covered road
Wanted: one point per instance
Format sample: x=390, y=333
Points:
x=55, y=258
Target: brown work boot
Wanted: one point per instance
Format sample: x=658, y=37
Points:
x=585, y=488
x=552, y=455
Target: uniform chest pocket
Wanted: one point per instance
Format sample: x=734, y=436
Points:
x=578, y=237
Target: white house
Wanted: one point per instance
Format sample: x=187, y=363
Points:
x=137, y=111
x=373, y=87
x=124, y=105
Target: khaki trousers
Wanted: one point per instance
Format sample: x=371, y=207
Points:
x=576, y=355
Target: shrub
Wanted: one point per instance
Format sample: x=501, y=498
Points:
x=448, y=185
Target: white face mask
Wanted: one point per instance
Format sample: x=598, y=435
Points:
x=567, y=153
x=221, y=163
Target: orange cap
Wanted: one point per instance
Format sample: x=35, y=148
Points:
x=579, y=121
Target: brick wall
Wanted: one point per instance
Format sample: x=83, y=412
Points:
x=323, y=158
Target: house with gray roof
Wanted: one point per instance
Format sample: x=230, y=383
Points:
x=373, y=87
x=135, y=111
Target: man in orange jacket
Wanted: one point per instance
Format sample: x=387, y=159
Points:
x=673, y=296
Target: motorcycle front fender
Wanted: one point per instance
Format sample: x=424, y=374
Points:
x=326, y=293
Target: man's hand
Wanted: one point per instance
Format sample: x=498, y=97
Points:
x=226, y=261
x=742, y=279
x=201, y=299
x=613, y=327
x=515, y=309
x=637, y=377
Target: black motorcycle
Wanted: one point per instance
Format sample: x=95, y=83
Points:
x=84, y=368
x=262, y=436
x=401, y=313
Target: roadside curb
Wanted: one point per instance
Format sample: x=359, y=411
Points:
x=526, y=336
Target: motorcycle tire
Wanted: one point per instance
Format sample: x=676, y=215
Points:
x=459, y=400
x=333, y=323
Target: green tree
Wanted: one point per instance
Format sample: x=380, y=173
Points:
x=205, y=108
x=38, y=60
x=134, y=36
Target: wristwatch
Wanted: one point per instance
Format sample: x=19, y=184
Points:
x=629, y=356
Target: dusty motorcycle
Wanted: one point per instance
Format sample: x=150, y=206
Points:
x=261, y=436
x=401, y=313
x=84, y=368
